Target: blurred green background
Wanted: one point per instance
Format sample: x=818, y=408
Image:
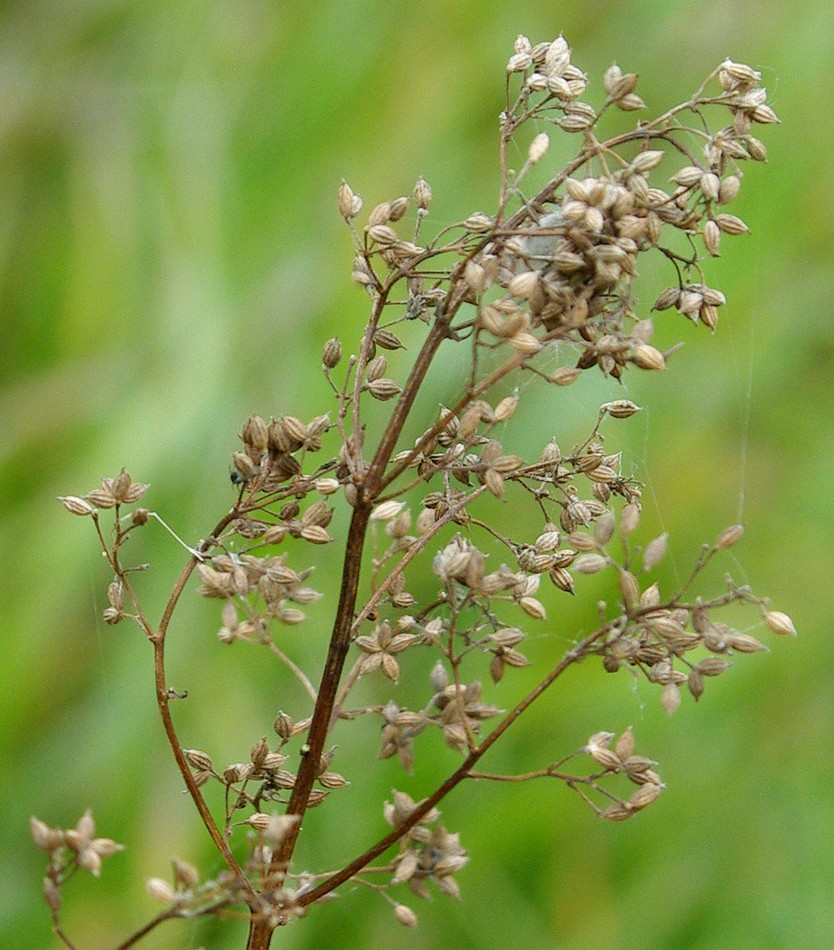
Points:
x=171, y=260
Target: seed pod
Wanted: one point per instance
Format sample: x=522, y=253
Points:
x=533, y=607
x=709, y=316
x=160, y=890
x=590, y=563
x=478, y=222
x=764, y=115
x=254, y=434
x=630, y=590
x=618, y=84
x=780, y=623
x=76, y=505
x=744, y=643
x=562, y=579
x=346, y=201
x=730, y=536
x=630, y=103
x=538, y=148
x=756, y=149
x=655, y=550
x=388, y=340
x=405, y=915
x=422, y=194
x=475, y=276
x=505, y=409
x=380, y=214
x=382, y=234
x=519, y=62
x=607, y=758
x=565, y=375
x=259, y=752
x=668, y=298
x=712, y=666
x=730, y=224
x=523, y=285
x=728, y=189
x=524, y=342
x=712, y=238
x=332, y=352
x=197, y=759
x=645, y=161
x=710, y=185
x=259, y=820
x=376, y=368
x=361, y=272
x=624, y=747
x=315, y=534
x=644, y=795
x=548, y=541
x=604, y=528
x=46, y=838
x=387, y=510
x=670, y=698
x=383, y=389
x=648, y=357
x=397, y=208
x=283, y=725
x=688, y=175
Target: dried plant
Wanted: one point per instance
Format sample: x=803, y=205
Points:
x=549, y=272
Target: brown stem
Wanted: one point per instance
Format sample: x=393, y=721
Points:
x=388, y=442
x=163, y=704
x=261, y=928
x=134, y=938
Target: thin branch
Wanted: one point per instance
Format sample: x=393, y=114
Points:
x=461, y=773
x=163, y=704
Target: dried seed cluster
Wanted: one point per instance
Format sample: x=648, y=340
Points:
x=551, y=271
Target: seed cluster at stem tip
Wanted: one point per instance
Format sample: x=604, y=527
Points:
x=439, y=589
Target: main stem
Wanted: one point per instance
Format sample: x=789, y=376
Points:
x=262, y=926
